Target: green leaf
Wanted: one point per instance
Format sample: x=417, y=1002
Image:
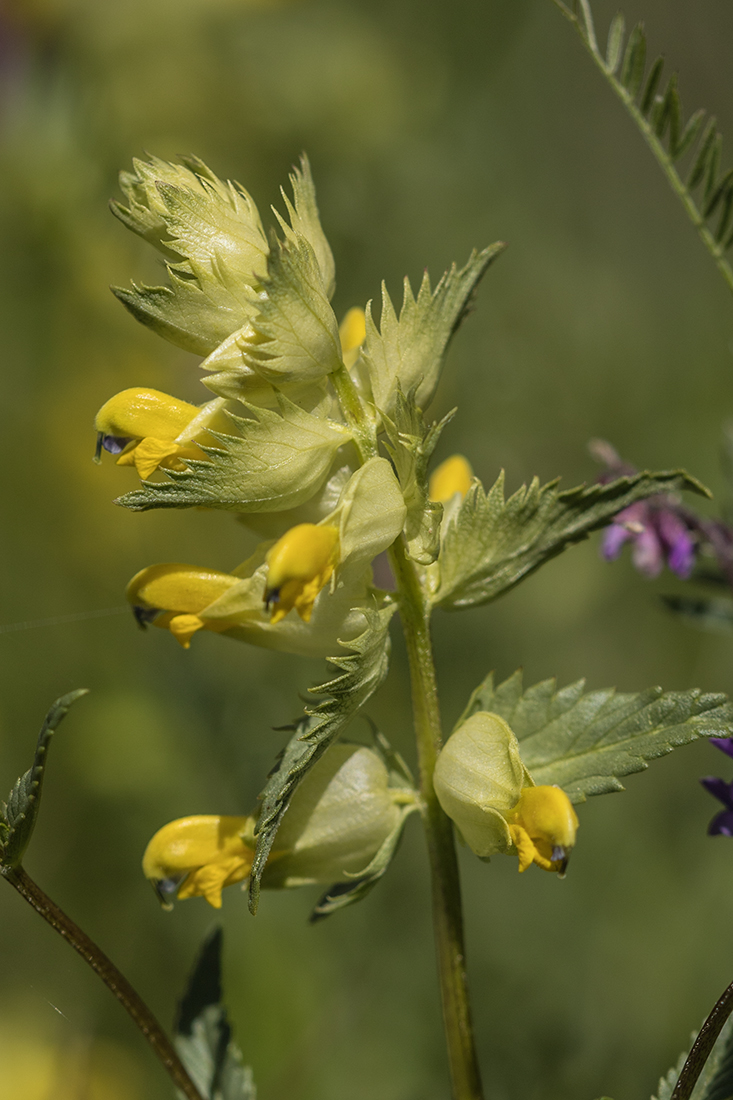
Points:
x=615, y=42
x=278, y=461
x=203, y=1036
x=362, y=671
x=492, y=544
x=650, y=88
x=411, y=445
x=632, y=69
x=697, y=171
x=407, y=353
x=716, y=1080
x=584, y=741
x=689, y=133
x=296, y=335
x=306, y=222
x=24, y=801
x=715, y=615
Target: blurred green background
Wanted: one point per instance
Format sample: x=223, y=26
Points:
x=431, y=128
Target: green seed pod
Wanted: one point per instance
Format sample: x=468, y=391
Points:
x=339, y=818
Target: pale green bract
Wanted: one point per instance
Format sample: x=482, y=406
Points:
x=278, y=461
x=294, y=337
x=585, y=741
x=407, y=353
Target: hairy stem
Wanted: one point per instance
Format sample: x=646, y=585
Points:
x=108, y=972
x=446, y=890
x=703, y=1045
x=587, y=34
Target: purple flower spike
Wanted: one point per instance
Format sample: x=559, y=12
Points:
x=678, y=541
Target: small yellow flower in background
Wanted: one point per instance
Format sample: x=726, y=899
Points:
x=451, y=477
x=172, y=596
x=300, y=564
x=149, y=429
x=352, y=332
x=198, y=856
x=543, y=826
x=486, y=790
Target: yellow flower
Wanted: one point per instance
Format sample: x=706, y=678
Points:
x=543, y=826
x=299, y=565
x=149, y=429
x=352, y=332
x=486, y=790
x=173, y=596
x=198, y=856
x=451, y=477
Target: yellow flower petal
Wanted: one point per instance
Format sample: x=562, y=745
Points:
x=352, y=332
x=210, y=850
x=451, y=477
x=543, y=826
x=299, y=565
x=138, y=413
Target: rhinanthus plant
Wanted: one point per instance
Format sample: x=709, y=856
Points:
x=319, y=438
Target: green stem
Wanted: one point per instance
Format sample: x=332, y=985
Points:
x=365, y=436
x=110, y=975
x=703, y=1046
x=588, y=38
x=446, y=889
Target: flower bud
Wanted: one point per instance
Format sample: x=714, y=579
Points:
x=451, y=477
x=299, y=565
x=484, y=787
x=352, y=333
x=149, y=429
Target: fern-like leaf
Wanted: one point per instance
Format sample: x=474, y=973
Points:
x=707, y=195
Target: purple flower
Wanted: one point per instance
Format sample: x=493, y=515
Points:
x=659, y=529
x=722, y=823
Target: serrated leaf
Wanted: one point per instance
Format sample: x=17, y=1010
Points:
x=362, y=671
x=584, y=741
x=491, y=544
x=706, y=614
x=632, y=69
x=204, y=1035
x=411, y=445
x=305, y=221
x=278, y=461
x=615, y=42
x=296, y=336
x=343, y=894
x=407, y=353
x=24, y=801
